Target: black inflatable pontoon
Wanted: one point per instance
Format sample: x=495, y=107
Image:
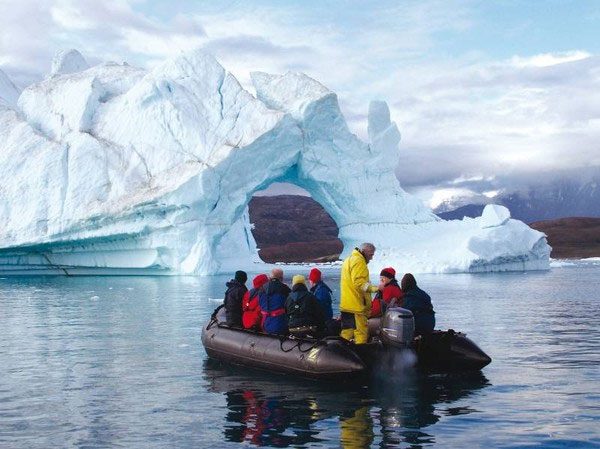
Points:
x=334, y=358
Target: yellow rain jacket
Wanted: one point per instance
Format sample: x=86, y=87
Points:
x=355, y=288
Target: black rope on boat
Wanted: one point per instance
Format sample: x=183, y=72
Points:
x=213, y=317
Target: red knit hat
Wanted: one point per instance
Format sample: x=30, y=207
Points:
x=388, y=272
x=260, y=280
x=314, y=275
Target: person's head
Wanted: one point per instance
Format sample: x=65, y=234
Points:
x=386, y=275
x=408, y=282
x=241, y=276
x=260, y=280
x=314, y=276
x=367, y=250
x=298, y=279
x=277, y=273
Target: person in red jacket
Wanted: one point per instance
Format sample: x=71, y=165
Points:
x=389, y=293
x=251, y=316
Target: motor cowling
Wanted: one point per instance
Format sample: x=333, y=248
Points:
x=398, y=327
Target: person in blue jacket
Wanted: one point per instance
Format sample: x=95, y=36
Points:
x=322, y=292
x=272, y=304
x=419, y=303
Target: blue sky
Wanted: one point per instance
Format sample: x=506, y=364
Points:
x=491, y=90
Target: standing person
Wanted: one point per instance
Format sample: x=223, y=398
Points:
x=304, y=314
x=251, y=316
x=322, y=292
x=355, y=294
x=272, y=304
x=389, y=293
x=419, y=303
x=236, y=289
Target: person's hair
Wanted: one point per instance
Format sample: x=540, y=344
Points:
x=241, y=276
x=367, y=246
x=408, y=282
x=277, y=273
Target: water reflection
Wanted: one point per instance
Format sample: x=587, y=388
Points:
x=265, y=410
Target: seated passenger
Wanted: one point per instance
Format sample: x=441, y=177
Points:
x=389, y=293
x=272, y=303
x=304, y=314
x=419, y=303
x=236, y=289
x=251, y=316
x=322, y=292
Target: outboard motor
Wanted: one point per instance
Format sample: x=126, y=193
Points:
x=398, y=327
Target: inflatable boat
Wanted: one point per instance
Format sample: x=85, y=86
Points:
x=333, y=358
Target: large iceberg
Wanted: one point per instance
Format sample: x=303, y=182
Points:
x=112, y=169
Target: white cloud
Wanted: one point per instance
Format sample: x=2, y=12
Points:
x=464, y=115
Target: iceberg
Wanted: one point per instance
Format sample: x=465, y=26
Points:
x=9, y=93
x=112, y=169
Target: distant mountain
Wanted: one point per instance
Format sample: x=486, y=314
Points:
x=563, y=198
x=470, y=210
x=291, y=228
x=572, y=237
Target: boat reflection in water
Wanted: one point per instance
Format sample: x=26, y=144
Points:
x=265, y=410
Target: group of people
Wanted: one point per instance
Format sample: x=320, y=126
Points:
x=273, y=307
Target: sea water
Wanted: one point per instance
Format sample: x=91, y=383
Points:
x=117, y=362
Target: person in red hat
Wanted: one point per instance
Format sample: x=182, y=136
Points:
x=389, y=293
x=322, y=292
x=251, y=316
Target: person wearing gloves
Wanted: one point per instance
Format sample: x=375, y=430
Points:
x=355, y=294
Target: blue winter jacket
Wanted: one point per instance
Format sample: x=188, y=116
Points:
x=323, y=294
x=419, y=303
x=272, y=307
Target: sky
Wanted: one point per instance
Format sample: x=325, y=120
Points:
x=487, y=95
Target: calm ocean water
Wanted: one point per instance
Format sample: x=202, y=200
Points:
x=117, y=362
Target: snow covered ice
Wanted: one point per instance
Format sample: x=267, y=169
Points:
x=112, y=169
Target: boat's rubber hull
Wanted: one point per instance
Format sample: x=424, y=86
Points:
x=332, y=359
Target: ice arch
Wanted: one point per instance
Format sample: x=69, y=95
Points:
x=116, y=170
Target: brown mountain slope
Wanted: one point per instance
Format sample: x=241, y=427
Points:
x=292, y=228
x=575, y=237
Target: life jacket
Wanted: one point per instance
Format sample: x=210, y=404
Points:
x=251, y=316
x=377, y=305
x=382, y=299
x=272, y=307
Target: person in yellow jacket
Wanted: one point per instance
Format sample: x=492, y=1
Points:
x=355, y=294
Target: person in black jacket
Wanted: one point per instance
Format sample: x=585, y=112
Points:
x=419, y=303
x=236, y=289
x=304, y=314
